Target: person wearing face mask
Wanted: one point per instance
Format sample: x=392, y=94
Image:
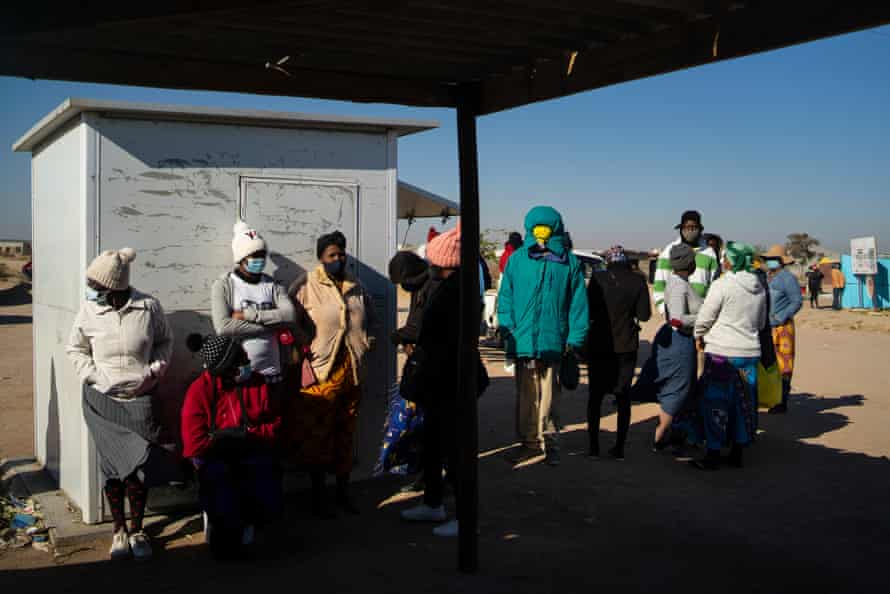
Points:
x=543, y=316
x=707, y=268
x=120, y=347
x=250, y=306
x=784, y=303
x=230, y=430
x=336, y=316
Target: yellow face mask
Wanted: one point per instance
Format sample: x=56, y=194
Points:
x=542, y=233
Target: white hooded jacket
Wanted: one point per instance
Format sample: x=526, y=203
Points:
x=732, y=315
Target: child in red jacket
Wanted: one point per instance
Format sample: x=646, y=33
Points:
x=230, y=427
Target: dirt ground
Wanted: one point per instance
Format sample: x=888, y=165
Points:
x=809, y=509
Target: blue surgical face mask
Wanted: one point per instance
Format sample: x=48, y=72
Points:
x=244, y=373
x=91, y=294
x=773, y=264
x=256, y=265
x=334, y=268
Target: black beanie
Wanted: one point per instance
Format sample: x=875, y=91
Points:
x=334, y=238
x=407, y=268
x=218, y=352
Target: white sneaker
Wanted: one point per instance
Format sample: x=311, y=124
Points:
x=140, y=546
x=120, y=546
x=247, y=537
x=448, y=529
x=425, y=513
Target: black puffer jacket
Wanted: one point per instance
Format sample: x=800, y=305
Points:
x=618, y=298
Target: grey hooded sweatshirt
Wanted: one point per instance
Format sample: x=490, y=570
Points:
x=732, y=315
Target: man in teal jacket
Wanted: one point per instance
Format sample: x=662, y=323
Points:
x=542, y=312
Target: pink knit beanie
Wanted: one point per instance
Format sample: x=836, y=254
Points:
x=444, y=250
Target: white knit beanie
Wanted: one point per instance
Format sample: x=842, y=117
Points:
x=111, y=269
x=246, y=242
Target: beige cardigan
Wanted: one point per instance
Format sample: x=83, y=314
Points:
x=332, y=317
x=121, y=353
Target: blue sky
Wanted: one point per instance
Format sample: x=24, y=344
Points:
x=792, y=140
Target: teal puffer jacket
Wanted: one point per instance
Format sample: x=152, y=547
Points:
x=542, y=303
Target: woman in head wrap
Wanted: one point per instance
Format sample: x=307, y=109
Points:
x=671, y=368
x=728, y=329
x=120, y=346
x=336, y=314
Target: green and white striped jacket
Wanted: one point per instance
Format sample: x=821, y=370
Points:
x=707, y=269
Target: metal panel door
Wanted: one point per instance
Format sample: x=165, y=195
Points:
x=292, y=213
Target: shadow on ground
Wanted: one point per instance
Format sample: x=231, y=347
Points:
x=798, y=514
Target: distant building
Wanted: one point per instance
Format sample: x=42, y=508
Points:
x=15, y=247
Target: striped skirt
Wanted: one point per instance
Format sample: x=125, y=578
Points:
x=126, y=438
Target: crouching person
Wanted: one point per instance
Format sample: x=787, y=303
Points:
x=230, y=427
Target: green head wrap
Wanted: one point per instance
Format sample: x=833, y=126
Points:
x=740, y=256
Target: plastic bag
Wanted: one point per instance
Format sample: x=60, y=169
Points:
x=769, y=386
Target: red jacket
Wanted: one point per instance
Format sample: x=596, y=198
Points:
x=508, y=251
x=263, y=418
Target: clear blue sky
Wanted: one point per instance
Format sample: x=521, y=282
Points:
x=792, y=140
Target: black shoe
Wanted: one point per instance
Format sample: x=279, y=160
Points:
x=617, y=453
x=658, y=446
x=552, y=457
x=779, y=409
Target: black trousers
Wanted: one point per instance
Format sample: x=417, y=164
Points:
x=609, y=373
x=439, y=449
x=814, y=297
x=838, y=295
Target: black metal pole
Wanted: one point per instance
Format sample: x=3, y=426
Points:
x=470, y=315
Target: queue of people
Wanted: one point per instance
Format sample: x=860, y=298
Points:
x=283, y=375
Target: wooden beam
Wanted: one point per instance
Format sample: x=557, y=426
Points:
x=742, y=32
x=179, y=72
x=467, y=428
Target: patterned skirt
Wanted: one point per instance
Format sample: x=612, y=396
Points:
x=728, y=403
x=321, y=420
x=785, y=343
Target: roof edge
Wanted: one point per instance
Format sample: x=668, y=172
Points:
x=73, y=107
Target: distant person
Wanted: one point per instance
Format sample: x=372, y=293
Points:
x=728, y=329
x=785, y=301
x=670, y=372
x=814, y=285
x=707, y=268
x=543, y=316
x=838, y=283
x=618, y=300
x=715, y=242
x=431, y=234
x=250, y=306
x=230, y=429
x=514, y=242
x=337, y=317
x=120, y=346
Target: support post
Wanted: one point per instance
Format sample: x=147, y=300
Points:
x=470, y=315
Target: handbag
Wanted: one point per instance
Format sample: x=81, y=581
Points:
x=307, y=373
x=769, y=386
x=231, y=439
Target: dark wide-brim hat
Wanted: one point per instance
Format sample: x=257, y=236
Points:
x=690, y=215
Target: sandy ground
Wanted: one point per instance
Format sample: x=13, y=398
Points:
x=809, y=509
